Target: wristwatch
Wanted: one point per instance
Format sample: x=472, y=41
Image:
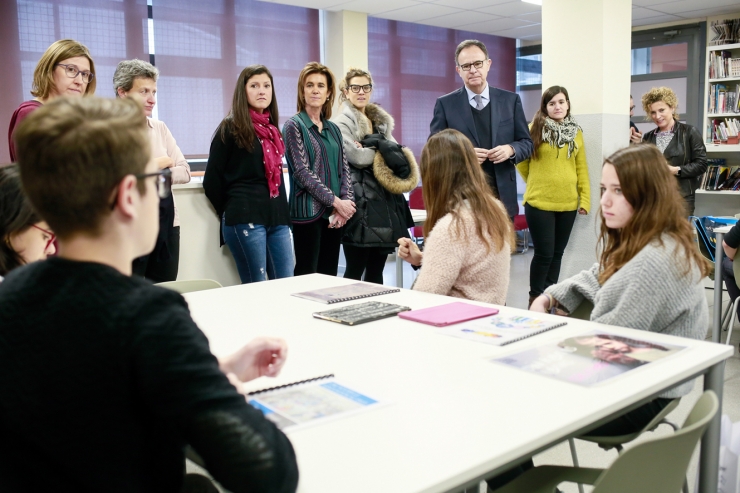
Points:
x=678, y=173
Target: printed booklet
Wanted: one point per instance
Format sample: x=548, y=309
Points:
x=500, y=330
x=589, y=358
x=347, y=292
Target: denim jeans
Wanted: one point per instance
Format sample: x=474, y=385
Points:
x=260, y=252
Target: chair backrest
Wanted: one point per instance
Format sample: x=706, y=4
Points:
x=416, y=201
x=659, y=465
x=190, y=285
x=736, y=267
x=520, y=222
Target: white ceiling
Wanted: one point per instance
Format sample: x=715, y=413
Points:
x=510, y=18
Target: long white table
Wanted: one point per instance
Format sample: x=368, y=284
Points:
x=455, y=418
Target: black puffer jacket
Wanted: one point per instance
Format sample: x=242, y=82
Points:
x=382, y=214
x=687, y=151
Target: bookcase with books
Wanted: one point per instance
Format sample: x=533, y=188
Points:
x=719, y=190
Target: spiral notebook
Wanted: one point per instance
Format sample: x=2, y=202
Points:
x=500, y=330
x=348, y=292
x=310, y=402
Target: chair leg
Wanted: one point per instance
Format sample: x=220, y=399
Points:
x=685, y=488
x=725, y=316
x=732, y=319
x=573, y=454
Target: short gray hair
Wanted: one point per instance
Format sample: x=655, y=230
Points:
x=129, y=70
x=467, y=44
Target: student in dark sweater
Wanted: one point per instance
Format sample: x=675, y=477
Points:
x=104, y=378
x=244, y=181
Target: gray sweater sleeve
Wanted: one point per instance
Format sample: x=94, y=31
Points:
x=572, y=291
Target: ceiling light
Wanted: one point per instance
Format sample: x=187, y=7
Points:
x=535, y=2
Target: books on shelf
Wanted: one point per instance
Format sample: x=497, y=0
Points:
x=725, y=31
x=361, y=312
x=310, y=402
x=500, y=330
x=589, y=358
x=719, y=176
x=723, y=98
x=347, y=292
x=722, y=65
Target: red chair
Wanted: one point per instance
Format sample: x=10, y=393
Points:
x=416, y=201
x=520, y=224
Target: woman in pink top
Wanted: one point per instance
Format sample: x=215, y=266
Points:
x=65, y=69
x=138, y=79
x=468, y=234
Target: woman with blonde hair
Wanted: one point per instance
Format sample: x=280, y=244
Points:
x=65, y=69
x=468, y=234
x=680, y=143
x=383, y=214
x=321, y=195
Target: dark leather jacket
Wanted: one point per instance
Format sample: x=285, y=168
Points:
x=687, y=151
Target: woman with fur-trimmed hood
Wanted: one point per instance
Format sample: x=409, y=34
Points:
x=382, y=215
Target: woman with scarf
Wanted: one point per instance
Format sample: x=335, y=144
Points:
x=244, y=180
x=557, y=186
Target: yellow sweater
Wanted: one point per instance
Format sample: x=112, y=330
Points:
x=554, y=182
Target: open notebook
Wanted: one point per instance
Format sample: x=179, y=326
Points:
x=503, y=329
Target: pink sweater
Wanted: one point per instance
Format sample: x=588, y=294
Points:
x=460, y=267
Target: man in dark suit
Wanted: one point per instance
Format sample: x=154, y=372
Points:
x=493, y=120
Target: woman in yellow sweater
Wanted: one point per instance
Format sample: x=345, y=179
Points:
x=557, y=186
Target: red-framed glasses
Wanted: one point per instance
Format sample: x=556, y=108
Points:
x=52, y=236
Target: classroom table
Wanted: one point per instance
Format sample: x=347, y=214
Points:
x=419, y=216
x=717, y=308
x=453, y=418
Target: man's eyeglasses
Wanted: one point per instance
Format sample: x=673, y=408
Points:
x=51, y=235
x=72, y=71
x=163, y=182
x=366, y=88
x=632, y=107
x=477, y=65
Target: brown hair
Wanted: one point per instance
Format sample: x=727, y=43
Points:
x=43, y=75
x=467, y=44
x=316, y=68
x=450, y=174
x=16, y=216
x=538, y=122
x=239, y=122
x=73, y=153
x=658, y=208
x=658, y=94
x=352, y=72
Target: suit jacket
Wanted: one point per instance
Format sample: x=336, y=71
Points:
x=508, y=126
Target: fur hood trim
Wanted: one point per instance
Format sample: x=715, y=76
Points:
x=389, y=180
x=377, y=115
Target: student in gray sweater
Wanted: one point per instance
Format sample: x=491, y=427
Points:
x=649, y=273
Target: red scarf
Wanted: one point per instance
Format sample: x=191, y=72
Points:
x=273, y=149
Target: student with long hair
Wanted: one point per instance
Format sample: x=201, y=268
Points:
x=468, y=234
x=649, y=273
x=244, y=180
x=557, y=186
x=65, y=69
x=24, y=236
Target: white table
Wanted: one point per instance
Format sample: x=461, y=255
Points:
x=717, y=308
x=419, y=216
x=455, y=418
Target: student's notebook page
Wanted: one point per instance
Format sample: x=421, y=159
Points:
x=502, y=329
x=295, y=406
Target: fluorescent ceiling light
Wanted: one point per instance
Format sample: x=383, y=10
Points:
x=536, y=2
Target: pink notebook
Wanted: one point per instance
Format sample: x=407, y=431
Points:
x=451, y=313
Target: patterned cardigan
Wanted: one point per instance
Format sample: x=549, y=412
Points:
x=309, y=174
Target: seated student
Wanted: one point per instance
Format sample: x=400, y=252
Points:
x=25, y=237
x=468, y=234
x=730, y=244
x=649, y=274
x=104, y=377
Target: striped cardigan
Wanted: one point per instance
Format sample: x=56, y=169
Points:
x=308, y=169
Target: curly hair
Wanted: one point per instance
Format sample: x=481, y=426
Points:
x=352, y=72
x=658, y=94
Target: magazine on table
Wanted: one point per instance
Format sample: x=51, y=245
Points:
x=589, y=358
x=337, y=294
x=502, y=329
x=309, y=402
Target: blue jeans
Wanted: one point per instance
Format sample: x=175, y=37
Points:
x=260, y=252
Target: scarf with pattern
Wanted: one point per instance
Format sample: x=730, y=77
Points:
x=273, y=149
x=559, y=134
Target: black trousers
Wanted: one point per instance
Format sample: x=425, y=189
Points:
x=370, y=260
x=316, y=248
x=550, y=234
x=156, y=270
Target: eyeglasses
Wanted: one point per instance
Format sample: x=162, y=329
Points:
x=366, y=88
x=52, y=236
x=164, y=181
x=632, y=107
x=477, y=65
x=72, y=71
